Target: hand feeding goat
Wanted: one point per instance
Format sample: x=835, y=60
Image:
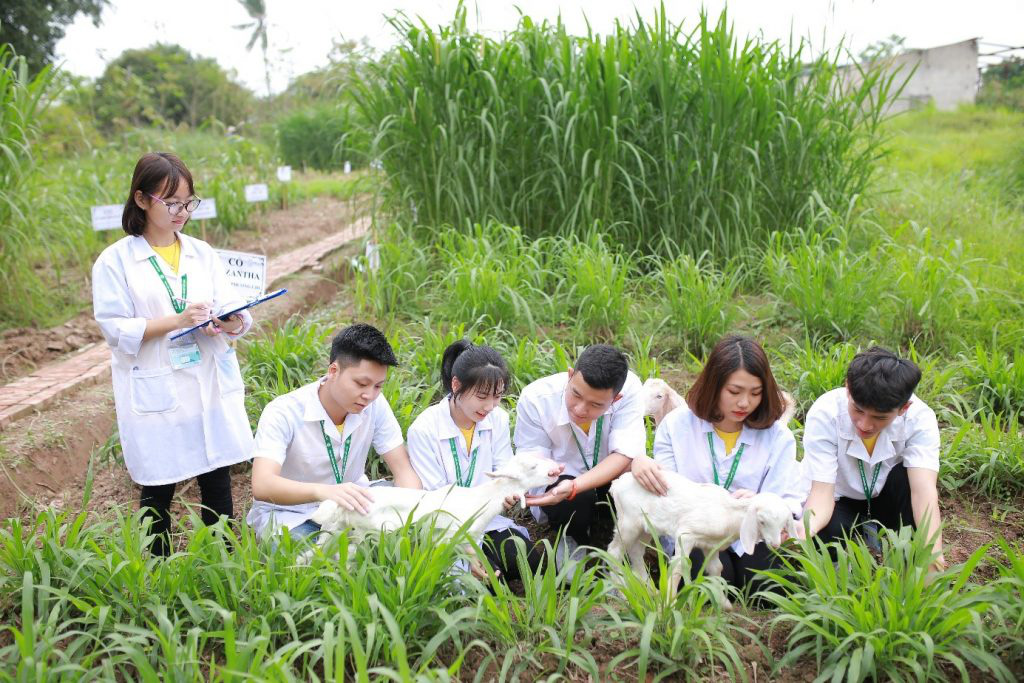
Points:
x=453, y=506
x=660, y=399
x=703, y=516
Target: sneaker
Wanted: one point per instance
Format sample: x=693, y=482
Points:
x=569, y=555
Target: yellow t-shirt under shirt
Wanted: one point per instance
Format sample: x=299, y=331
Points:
x=586, y=428
x=730, y=439
x=171, y=255
x=468, y=434
x=869, y=444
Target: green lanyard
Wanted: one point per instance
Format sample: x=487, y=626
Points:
x=338, y=475
x=458, y=468
x=864, y=481
x=714, y=463
x=597, y=443
x=179, y=304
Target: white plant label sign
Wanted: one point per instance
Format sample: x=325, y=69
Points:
x=207, y=209
x=247, y=272
x=107, y=217
x=348, y=167
x=284, y=174
x=257, y=193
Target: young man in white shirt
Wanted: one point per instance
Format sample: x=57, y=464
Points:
x=590, y=419
x=312, y=443
x=871, y=451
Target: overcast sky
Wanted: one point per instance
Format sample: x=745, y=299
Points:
x=302, y=31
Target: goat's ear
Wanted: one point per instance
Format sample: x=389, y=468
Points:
x=522, y=500
x=496, y=475
x=748, y=530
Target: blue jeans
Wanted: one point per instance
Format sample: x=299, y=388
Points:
x=308, y=529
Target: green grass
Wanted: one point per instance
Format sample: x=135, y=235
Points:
x=666, y=136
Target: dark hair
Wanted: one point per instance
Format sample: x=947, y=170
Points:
x=156, y=173
x=477, y=367
x=879, y=379
x=361, y=342
x=603, y=367
x=733, y=353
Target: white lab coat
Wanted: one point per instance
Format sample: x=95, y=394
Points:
x=768, y=463
x=289, y=433
x=543, y=426
x=832, y=447
x=430, y=451
x=173, y=424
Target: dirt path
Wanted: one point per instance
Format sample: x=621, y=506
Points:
x=24, y=350
x=44, y=457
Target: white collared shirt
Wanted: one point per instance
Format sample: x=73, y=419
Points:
x=430, y=450
x=173, y=424
x=768, y=462
x=543, y=424
x=832, y=447
x=290, y=434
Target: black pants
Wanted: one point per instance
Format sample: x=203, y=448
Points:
x=501, y=551
x=578, y=516
x=891, y=508
x=738, y=570
x=215, y=494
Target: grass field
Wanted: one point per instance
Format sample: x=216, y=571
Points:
x=910, y=235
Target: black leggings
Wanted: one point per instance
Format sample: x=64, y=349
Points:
x=579, y=515
x=215, y=494
x=501, y=551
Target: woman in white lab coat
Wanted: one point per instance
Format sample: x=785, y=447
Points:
x=179, y=402
x=466, y=435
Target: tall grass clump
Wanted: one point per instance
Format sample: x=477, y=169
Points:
x=661, y=134
x=985, y=456
x=996, y=380
x=861, y=619
x=22, y=101
x=698, y=300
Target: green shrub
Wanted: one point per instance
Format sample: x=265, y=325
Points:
x=986, y=457
x=691, y=137
x=698, y=300
x=996, y=381
x=321, y=137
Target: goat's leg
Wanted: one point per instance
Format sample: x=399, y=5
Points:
x=684, y=546
x=628, y=543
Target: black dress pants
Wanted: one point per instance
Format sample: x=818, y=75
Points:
x=215, y=494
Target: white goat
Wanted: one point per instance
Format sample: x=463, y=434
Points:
x=453, y=505
x=701, y=516
x=660, y=399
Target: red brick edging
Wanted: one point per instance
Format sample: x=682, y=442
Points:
x=91, y=365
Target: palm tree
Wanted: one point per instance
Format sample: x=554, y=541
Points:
x=257, y=9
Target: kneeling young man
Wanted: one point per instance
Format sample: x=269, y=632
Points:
x=871, y=451
x=312, y=443
x=590, y=419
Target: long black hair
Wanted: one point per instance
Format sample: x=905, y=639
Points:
x=479, y=368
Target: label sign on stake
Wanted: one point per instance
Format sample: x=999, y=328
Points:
x=246, y=272
x=284, y=174
x=257, y=193
x=207, y=209
x=107, y=217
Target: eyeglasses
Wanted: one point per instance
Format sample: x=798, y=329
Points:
x=174, y=208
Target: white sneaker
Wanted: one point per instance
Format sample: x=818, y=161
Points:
x=570, y=555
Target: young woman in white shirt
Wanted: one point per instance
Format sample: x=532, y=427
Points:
x=466, y=435
x=727, y=433
x=180, y=403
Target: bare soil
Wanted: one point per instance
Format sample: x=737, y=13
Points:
x=23, y=350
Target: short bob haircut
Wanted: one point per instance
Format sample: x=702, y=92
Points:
x=734, y=353
x=156, y=173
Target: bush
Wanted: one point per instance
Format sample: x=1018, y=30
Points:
x=321, y=137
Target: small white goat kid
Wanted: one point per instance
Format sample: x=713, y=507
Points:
x=660, y=399
x=701, y=516
x=452, y=505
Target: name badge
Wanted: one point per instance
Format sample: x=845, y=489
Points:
x=185, y=356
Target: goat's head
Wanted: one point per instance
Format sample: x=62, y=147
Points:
x=528, y=471
x=766, y=518
x=659, y=399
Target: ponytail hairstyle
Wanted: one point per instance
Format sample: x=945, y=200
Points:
x=480, y=369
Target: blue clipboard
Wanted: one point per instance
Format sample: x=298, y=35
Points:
x=254, y=302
